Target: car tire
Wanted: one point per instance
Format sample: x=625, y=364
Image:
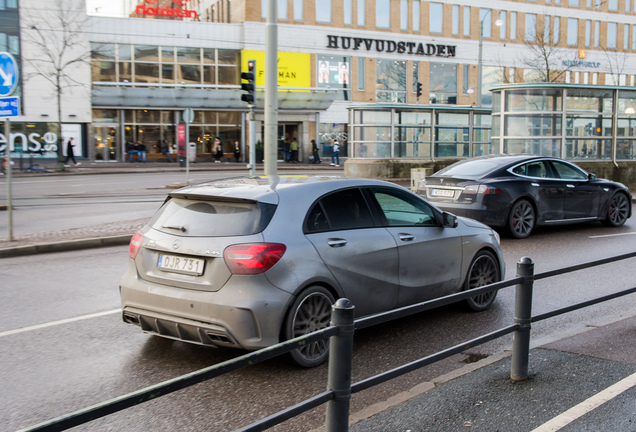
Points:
x=483, y=270
x=522, y=219
x=617, y=211
x=311, y=311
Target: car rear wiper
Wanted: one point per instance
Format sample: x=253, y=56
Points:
x=175, y=227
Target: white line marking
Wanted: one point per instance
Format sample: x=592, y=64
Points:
x=588, y=405
x=612, y=235
x=54, y=323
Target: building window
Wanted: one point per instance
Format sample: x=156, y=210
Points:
x=282, y=10
x=416, y=75
x=599, y=4
x=362, y=10
x=573, y=32
x=323, y=11
x=467, y=21
x=416, y=15
x=588, y=33
x=597, y=34
x=513, y=26
x=546, y=30
x=390, y=81
x=348, y=12
x=612, y=5
x=404, y=15
x=298, y=10
x=382, y=13
x=502, y=27
x=443, y=83
x=485, y=20
x=627, y=6
x=633, y=38
x=611, y=35
x=361, y=74
x=455, y=20
x=436, y=16
x=531, y=27
x=334, y=73
x=589, y=4
x=573, y=3
x=557, y=30
x=626, y=37
x=466, y=79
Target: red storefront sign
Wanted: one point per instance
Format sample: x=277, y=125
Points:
x=181, y=139
x=166, y=11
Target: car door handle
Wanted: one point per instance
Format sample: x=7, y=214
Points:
x=570, y=185
x=333, y=242
x=406, y=237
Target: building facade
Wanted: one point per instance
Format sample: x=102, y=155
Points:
x=141, y=63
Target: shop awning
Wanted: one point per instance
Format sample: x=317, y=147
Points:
x=205, y=98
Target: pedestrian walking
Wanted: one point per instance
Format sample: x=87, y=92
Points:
x=237, y=151
x=130, y=149
x=287, y=150
x=165, y=150
x=335, y=156
x=315, y=152
x=141, y=152
x=293, y=149
x=218, y=150
x=70, y=154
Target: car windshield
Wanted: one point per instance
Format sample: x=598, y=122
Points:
x=198, y=218
x=469, y=168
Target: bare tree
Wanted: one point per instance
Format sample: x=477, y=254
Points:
x=57, y=45
x=545, y=57
x=616, y=61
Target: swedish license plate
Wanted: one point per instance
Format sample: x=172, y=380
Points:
x=442, y=193
x=179, y=264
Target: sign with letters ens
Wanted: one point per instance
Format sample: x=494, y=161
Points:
x=8, y=74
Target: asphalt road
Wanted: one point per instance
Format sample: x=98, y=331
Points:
x=64, y=347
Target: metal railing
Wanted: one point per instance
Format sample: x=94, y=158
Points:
x=340, y=332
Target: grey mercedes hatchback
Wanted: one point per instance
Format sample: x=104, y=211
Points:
x=247, y=262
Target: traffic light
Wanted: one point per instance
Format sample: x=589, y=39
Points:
x=250, y=85
x=419, y=89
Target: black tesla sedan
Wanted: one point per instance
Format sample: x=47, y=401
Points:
x=521, y=192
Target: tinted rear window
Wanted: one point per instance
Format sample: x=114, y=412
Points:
x=474, y=168
x=212, y=218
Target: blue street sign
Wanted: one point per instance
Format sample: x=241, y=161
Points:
x=10, y=106
x=8, y=74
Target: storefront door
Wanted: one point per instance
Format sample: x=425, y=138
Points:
x=105, y=143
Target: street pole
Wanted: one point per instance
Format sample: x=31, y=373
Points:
x=480, y=60
x=271, y=92
x=187, y=151
x=252, y=140
x=7, y=157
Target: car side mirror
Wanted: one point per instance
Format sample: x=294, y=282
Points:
x=449, y=220
x=591, y=176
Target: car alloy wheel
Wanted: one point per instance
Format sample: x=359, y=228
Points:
x=310, y=312
x=522, y=219
x=618, y=210
x=484, y=270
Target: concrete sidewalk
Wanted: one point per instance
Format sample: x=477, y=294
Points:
x=585, y=382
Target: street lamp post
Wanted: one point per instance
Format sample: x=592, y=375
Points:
x=498, y=23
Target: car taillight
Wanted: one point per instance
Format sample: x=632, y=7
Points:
x=135, y=244
x=481, y=189
x=253, y=258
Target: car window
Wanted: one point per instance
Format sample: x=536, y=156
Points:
x=532, y=169
x=195, y=218
x=344, y=209
x=402, y=209
x=567, y=171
